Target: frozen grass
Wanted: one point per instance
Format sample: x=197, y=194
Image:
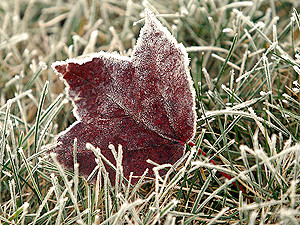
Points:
x=245, y=63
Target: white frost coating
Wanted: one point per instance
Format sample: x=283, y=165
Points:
x=236, y=5
x=90, y=57
x=151, y=19
x=81, y=60
x=297, y=70
x=43, y=65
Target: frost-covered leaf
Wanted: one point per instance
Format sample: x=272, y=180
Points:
x=144, y=102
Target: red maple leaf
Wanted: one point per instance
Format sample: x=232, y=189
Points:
x=144, y=102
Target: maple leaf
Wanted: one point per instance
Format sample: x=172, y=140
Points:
x=145, y=102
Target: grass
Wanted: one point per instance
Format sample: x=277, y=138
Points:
x=245, y=63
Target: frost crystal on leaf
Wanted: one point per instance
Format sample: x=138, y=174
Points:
x=144, y=102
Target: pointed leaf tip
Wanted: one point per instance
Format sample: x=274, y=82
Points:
x=145, y=102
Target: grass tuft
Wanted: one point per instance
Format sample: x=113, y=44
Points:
x=245, y=63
